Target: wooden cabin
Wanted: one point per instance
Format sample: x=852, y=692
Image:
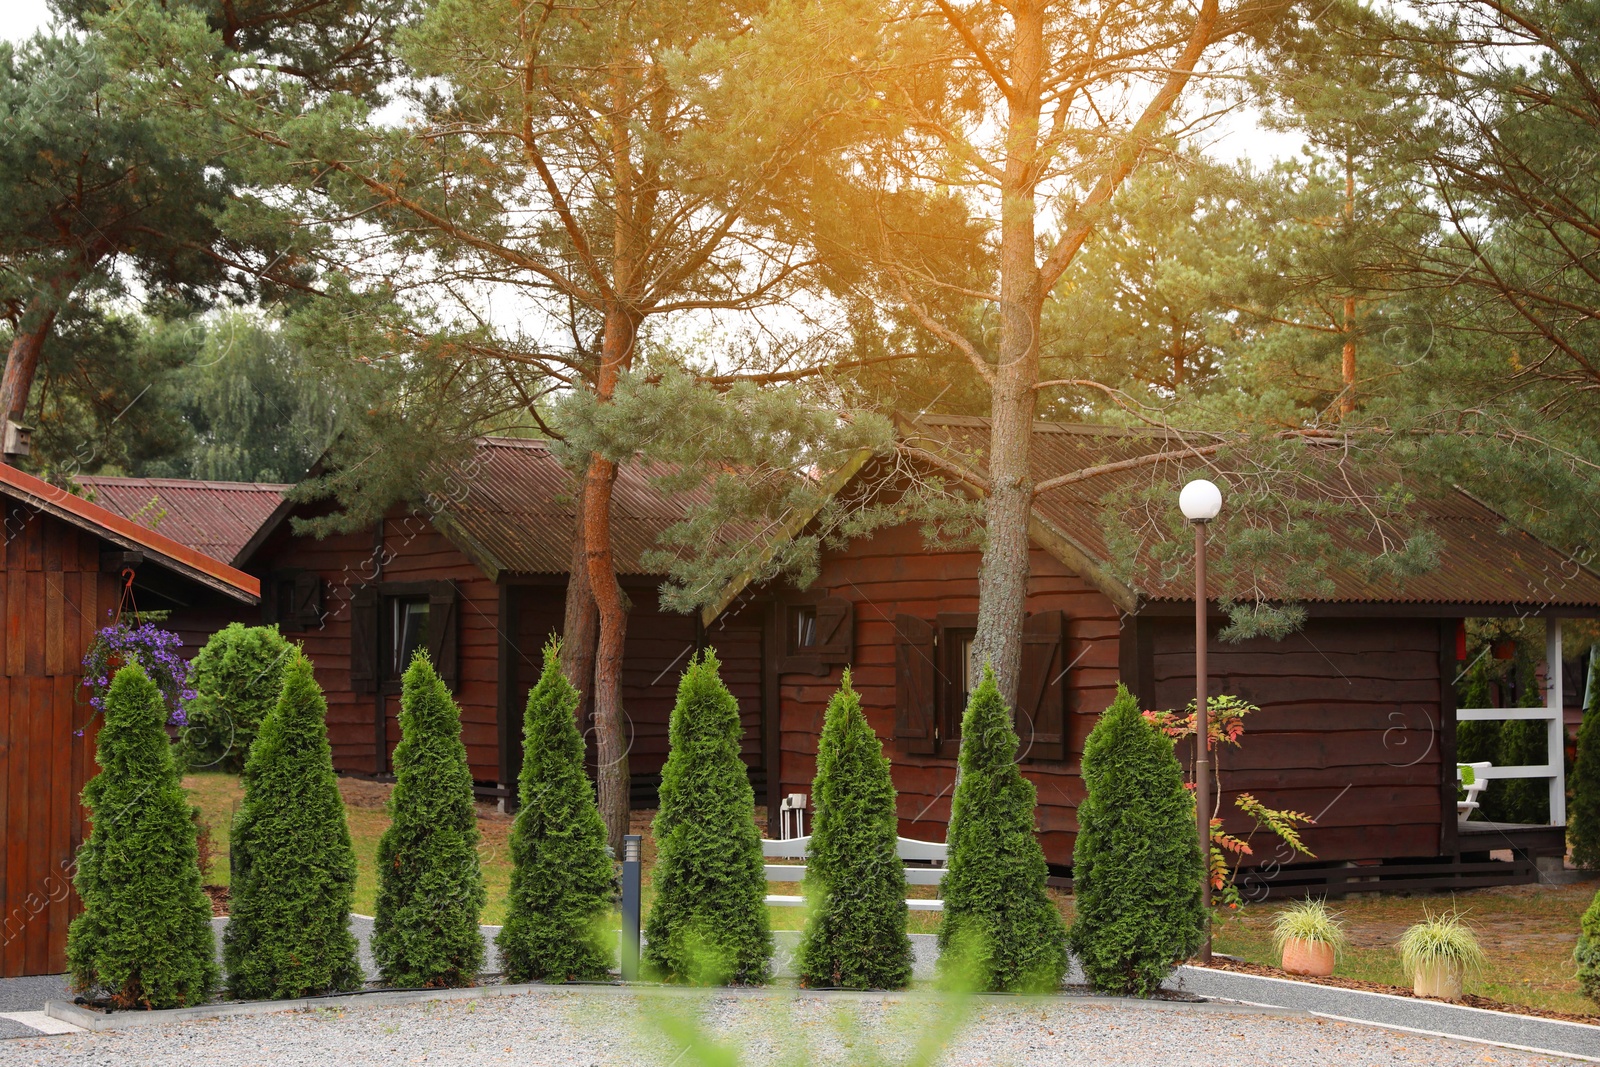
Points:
x=70, y=565
x=1357, y=720
x=477, y=575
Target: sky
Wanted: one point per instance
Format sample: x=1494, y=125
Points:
x=22, y=17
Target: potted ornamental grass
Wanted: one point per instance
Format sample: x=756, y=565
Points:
x=1439, y=952
x=1309, y=937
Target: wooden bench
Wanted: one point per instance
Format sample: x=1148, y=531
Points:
x=929, y=856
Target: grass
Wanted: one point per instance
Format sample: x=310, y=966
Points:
x=1528, y=932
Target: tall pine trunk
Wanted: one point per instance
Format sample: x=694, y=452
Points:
x=580, y=627
x=22, y=361
x=1003, y=576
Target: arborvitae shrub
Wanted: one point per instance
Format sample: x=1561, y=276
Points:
x=1583, y=811
x=855, y=885
x=144, y=938
x=294, y=873
x=430, y=888
x=709, y=922
x=561, y=876
x=1136, y=867
x=1522, y=743
x=1001, y=931
x=1587, y=952
x=236, y=680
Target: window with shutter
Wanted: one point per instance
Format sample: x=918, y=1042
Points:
x=835, y=631
x=1042, y=687
x=915, y=685
x=307, y=603
x=819, y=634
x=364, y=640
x=443, y=638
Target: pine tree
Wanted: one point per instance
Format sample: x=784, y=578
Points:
x=1587, y=952
x=1583, y=812
x=430, y=888
x=855, y=935
x=1136, y=867
x=144, y=937
x=294, y=872
x=1001, y=930
x=709, y=923
x=561, y=877
x=236, y=680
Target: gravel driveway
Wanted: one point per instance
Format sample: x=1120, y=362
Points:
x=595, y=1027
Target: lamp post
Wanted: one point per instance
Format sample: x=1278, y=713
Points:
x=1200, y=502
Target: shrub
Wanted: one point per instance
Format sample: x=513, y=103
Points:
x=1136, y=867
x=562, y=878
x=294, y=867
x=430, y=888
x=235, y=681
x=1309, y=921
x=709, y=922
x=144, y=938
x=1001, y=931
x=1587, y=952
x=1583, y=813
x=1522, y=743
x=1441, y=939
x=855, y=935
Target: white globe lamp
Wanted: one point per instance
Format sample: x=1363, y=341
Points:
x=1200, y=501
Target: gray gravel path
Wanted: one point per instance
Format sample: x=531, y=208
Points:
x=577, y=1028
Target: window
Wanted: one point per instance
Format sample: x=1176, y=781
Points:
x=961, y=676
x=408, y=630
x=802, y=628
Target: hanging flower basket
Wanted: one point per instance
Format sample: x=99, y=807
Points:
x=158, y=651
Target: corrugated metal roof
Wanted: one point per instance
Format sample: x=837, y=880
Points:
x=517, y=507
x=215, y=518
x=1481, y=560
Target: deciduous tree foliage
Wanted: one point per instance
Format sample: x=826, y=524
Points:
x=709, y=921
x=430, y=887
x=1001, y=930
x=855, y=885
x=561, y=876
x=1136, y=866
x=144, y=938
x=294, y=866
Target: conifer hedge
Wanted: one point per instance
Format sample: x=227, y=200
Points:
x=236, y=679
x=430, y=888
x=1587, y=952
x=1001, y=931
x=561, y=876
x=144, y=938
x=855, y=935
x=294, y=868
x=1136, y=868
x=1583, y=812
x=709, y=923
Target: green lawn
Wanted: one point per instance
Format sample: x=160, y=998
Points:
x=1528, y=931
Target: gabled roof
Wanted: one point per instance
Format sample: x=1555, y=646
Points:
x=216, y=518
x=129, y=535
x=1481, y=559
x=510, y=508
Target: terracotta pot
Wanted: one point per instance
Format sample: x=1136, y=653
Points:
x=1307, y=957
x=1442, y=980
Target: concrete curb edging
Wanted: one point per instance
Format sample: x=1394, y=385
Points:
x=1433, y=1018
x=68, y=1012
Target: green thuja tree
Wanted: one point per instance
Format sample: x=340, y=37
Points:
x=562, y=879
x=144, y=938
x=1522, y=743
x=855, y=936
x=709, y=922
x=1587, y=952
x=1136, y=868
x=294, y=870
x=1001, y=931
x=430, y=888
x=1583, y=810
x=236, y=680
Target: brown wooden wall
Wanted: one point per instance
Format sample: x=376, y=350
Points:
x=1347, y=703
x=54, y=599
x=893, y=573
x=1348, y=731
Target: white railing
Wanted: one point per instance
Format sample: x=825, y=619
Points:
x=1553, y=768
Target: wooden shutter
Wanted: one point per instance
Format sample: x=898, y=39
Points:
x=308, y=599
x=364, y=640
x=835, y=630
x=915, y=710
x=442, y=632
x=1042, y=687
